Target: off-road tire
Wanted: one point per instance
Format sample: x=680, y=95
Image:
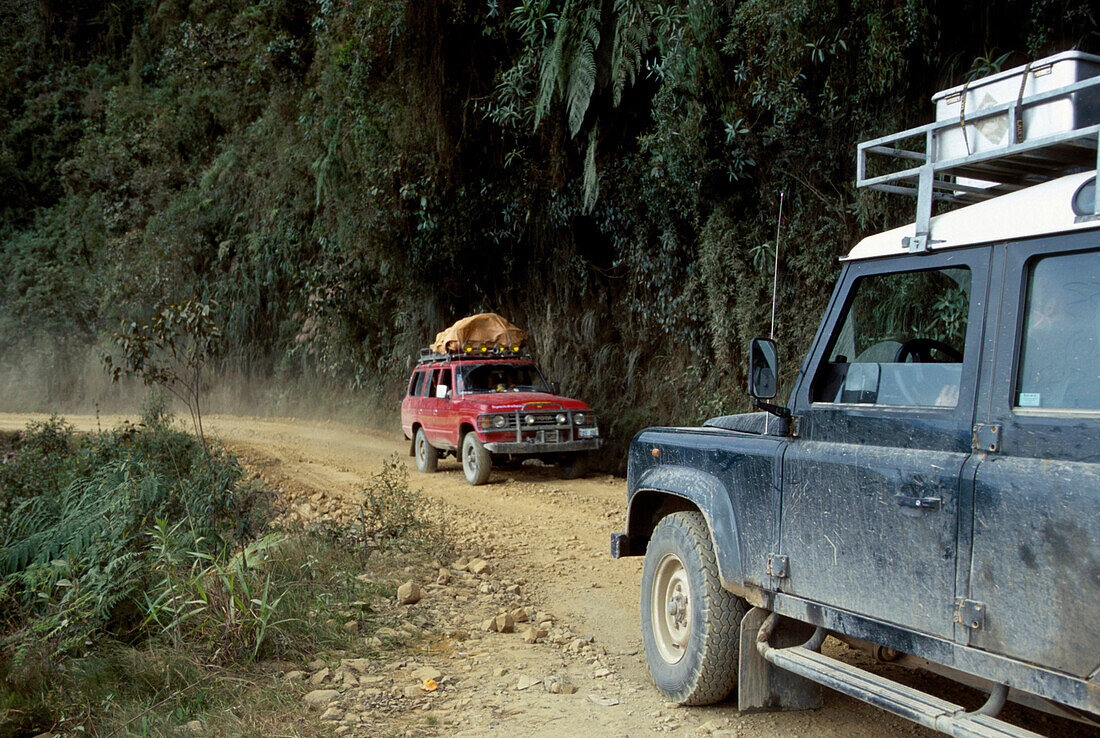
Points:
x=572, y=466
x=476, y=461
x=427, y=456
x=706, y=670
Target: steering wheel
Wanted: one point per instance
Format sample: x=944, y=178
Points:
x=920, y=349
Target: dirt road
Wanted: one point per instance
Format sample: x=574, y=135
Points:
x=552, y=536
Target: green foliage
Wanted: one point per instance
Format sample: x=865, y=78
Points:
x=74, y=550
x=390, y=510
x=170, y=352
x=344, y=179
x=215, y=600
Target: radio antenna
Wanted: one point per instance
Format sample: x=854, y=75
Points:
x=775, y=274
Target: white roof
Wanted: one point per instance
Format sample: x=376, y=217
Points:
x=1044, y=208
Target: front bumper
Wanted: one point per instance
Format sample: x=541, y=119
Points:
x=523, y=447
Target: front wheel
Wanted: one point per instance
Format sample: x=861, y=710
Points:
x=427, y=457
x=572, y=466
x=690, y=624
x=476, y=462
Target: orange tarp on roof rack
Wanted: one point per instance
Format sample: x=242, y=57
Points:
x=483, y=329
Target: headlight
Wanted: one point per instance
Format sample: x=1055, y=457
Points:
x=579, y=418
x=560, y=418
x=499, y=421
x=529, y=419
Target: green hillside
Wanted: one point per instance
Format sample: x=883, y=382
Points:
x=346, y=177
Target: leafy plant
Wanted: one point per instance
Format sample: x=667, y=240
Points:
x=390, y=510
x=171, y=351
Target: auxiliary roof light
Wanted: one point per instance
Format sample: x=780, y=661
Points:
x=515, y=348
x=484, y=349
x=467, y=348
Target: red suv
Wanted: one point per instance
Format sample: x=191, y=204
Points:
x=493, y=408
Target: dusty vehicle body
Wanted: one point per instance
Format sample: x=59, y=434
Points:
x=930, y=492
x=493, y=409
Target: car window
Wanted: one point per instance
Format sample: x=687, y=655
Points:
x=429, y=386
x=443, y=383
x=415, y=383
x=1060, y=349
x=501, y=377
x=900, y=342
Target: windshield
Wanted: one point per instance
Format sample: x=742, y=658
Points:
x=500, y=377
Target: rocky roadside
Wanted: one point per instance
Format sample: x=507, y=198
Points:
x=464, y=670
x=473, y=650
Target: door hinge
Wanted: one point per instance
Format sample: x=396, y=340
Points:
x=778, y=566
x=987, y=437
x=970, y=613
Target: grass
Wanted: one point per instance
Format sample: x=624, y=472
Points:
x=207, y=622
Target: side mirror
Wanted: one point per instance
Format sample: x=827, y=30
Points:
x=763, y=368
x=554, y=389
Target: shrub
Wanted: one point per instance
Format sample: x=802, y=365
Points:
x=74, y=550
x=389, y=510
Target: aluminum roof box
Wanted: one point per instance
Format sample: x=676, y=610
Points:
x=1060, y=114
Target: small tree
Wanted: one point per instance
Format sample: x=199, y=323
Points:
x=170, y=351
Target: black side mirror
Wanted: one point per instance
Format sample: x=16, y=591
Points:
x=763, y=368
x=554, y=389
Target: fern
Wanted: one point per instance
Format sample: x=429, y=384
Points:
x=632, y=32
x=591, y=180
x=77, y=557
x=581, y=82
x=569, y=63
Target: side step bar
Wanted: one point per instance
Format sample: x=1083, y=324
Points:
x=911, y=704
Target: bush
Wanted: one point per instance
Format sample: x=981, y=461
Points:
x=389, y=510
x=122, y=586
x=75, y=553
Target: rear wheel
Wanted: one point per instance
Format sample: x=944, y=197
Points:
x=427, y=457
x=690, y=624
x=476, y=462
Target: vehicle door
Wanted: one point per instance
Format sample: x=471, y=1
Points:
x=410, y=406
x=1036, y=551
x=447, y=417
x=871, y=486
x=437, y=406
x=429, y=408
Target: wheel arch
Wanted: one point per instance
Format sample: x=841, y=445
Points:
x=668, y=489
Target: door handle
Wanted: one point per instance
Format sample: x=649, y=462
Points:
x=919, y=503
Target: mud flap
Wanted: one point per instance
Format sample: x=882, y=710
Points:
x=762, y=686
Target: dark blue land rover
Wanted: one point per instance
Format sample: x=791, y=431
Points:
x=930, y=492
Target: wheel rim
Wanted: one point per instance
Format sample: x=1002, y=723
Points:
x=469, y=459
x=670, y=609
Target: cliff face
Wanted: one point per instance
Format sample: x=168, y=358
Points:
x=345, y=178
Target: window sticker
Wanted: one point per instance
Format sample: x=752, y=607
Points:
x=1029, y=399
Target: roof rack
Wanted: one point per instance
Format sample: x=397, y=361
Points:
x=427, y=355
x=939, y=173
